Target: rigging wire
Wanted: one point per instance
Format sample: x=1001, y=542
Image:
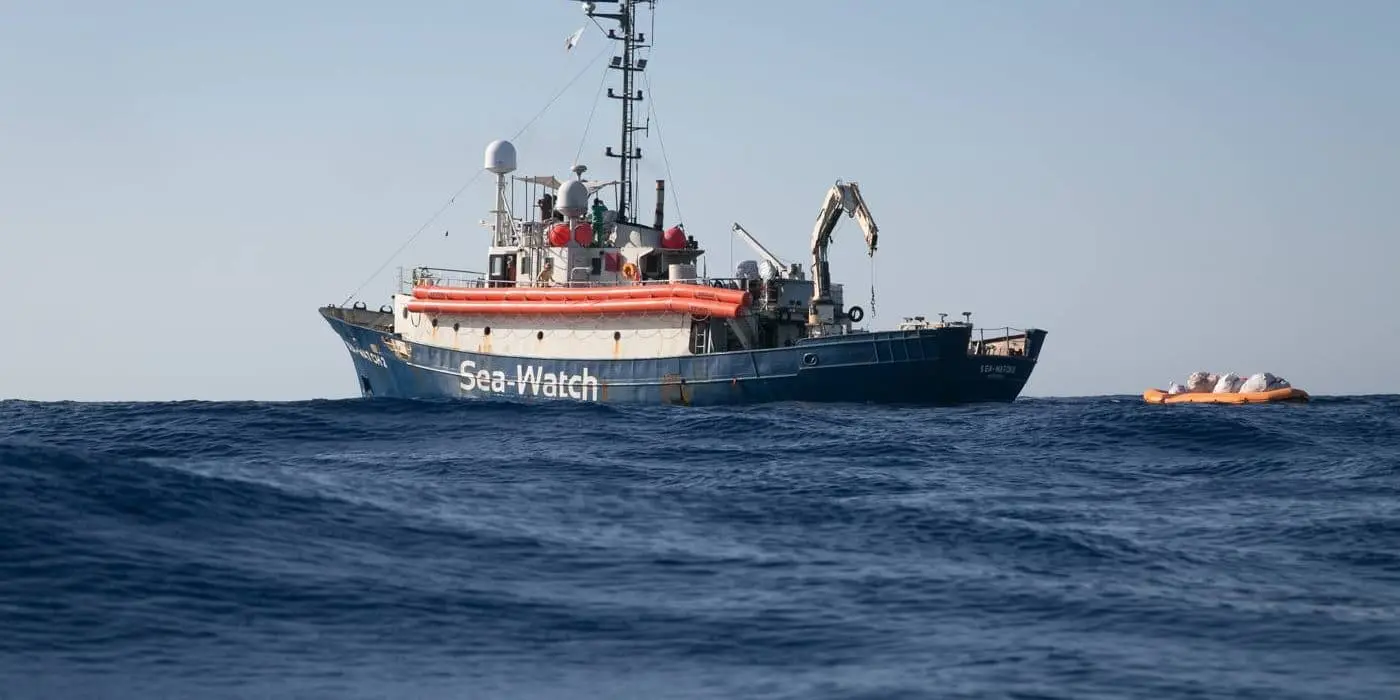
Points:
x=583, y=140
x=665, y=158
x=453, y=199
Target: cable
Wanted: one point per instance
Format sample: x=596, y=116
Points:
x=872, y=286
x=469, y=182
x=665, y=158
x=561, y=92
x=583, y=140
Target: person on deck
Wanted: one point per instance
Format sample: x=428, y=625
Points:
x=546, y=206
x=599, y=210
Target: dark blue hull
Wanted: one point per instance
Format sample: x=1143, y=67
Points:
x=926, y=366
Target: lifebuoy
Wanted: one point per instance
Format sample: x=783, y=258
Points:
x=629, y=270
x=855, y=313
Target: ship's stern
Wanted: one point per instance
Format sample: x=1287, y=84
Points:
x=944, y=365
x=999, y=363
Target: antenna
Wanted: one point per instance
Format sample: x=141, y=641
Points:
x=500, y=159
x=629, y=65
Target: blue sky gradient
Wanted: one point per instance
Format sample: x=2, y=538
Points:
x=1165, y=186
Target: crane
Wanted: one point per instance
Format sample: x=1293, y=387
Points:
x=843, y=196
x=783, y=270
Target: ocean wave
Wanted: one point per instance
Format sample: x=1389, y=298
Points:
x=368, y=548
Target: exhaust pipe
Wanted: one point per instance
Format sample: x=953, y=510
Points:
x=660, y=203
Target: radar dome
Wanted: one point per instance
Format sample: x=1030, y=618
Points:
x=746, y=270
x=500, y=157
x=573, y=199
x=767, y=270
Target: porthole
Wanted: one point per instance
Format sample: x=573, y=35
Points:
x=617, y=335
x=456, y=327
x=539, y=335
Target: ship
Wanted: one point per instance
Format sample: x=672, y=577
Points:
x=585, y=302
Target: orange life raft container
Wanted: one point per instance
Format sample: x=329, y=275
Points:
x=1285, y=394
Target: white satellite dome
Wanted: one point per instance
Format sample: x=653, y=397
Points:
x=573, y=199
x=500, y=157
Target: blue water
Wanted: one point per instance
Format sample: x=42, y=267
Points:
x=1087, y=548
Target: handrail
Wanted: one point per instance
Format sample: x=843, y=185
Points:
x=1006, y=332
x=454, y=282
x=1010, y=343
x=448, y=269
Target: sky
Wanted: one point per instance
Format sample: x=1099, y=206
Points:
x=1164, y=187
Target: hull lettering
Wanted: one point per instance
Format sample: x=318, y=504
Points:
x=998, y=369
x=532, y=379
x=367, y=356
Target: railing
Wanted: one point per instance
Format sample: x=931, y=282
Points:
x=445, y=277
x=439, y=276
x=1005, y=342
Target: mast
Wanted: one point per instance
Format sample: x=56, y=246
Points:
x=629, y=65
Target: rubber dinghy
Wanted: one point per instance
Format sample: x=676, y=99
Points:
x=1284, y=394
x=1229, y=388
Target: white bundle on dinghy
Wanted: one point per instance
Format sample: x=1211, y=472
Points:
x=1264, y=381
x=1229, y=383
x=1201, y=382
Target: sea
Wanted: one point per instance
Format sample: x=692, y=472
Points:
x=375, y=548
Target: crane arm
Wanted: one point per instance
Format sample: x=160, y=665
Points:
x=843, y=196
x=759, y=248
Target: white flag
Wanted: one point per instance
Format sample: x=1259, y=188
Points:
x=572, y=41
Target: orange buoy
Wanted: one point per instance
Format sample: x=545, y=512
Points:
x=559, y=235
x=674, y=238
x=583, y=234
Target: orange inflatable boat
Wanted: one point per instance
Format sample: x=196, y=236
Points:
x=1285, y=394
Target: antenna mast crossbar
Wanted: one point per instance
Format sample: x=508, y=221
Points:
x=629, y=65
